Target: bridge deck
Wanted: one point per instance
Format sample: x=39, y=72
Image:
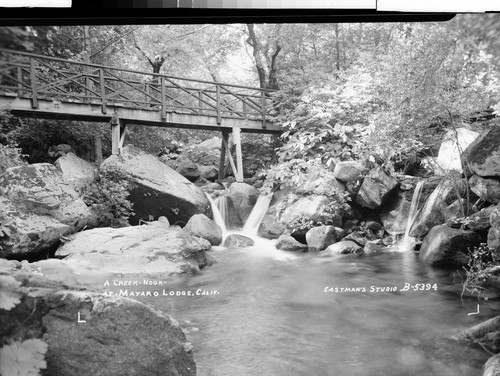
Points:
x=44, y=87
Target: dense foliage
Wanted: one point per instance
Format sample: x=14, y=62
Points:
x=109, y=199
x=348, y=91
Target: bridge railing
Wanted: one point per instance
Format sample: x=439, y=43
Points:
x=41, y=77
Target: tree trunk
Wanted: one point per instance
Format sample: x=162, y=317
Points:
x=97, y=142
x=266, y=65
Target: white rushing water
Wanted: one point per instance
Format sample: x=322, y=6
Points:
x=218, y=218
x=259, y=210
x=408, y=242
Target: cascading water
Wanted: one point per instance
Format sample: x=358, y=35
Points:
x=223, y=209
x=408, y=242
x=218, y=218
x=255, y=218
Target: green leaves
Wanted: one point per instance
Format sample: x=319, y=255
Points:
x=23, y=358
x=110, y=198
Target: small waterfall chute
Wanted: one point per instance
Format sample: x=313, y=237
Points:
x=218, y=218
x=258, y=212
x=408, y=242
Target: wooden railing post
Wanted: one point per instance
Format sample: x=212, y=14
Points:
x=200, y=101
x=34, y=89
x=217, y=92
x=104, y=108
x=245, y=110
x=263, y=108
x=146, y=89
x=20, y=80
x=163, y=99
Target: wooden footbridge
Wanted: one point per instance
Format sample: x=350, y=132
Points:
x=46, y=87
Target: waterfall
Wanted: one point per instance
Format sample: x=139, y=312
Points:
x=218, y=218
x=407, y=243
x=220, y=213
x=223, y=209
x=257, y=214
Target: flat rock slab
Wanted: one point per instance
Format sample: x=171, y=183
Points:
x=120, y=336
x=152, y=248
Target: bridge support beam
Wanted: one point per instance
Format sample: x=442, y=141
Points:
x=239, y=156
x=118, y=128
x=237, y=166
x=222, y=164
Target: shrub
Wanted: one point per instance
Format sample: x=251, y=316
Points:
x=479, y=272
x=110, y=199
x=10, y=157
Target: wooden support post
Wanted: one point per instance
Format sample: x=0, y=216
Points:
x=239, y=158
x=104, y=109
x=222, y=164
x=34, y=89
x=146, y=89
x=115, y=135
x=231, y=160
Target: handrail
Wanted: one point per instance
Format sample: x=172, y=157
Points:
x=43, y=77
x=129, y=70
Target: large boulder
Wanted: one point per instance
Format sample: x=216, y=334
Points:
x=76, y=171
x=238, y=241
x=319, y=238
x=152, y=248
x=210, y=173
x=482, y=157
x=240, y=198
x=309, y=207
x=119, y=336
x=155, y=189
x=344, y=247
x=447, y=246
x=202, y=226
x=492, y=366
x=432, y=213
x=40, y=189
x=376, y=189
x=28, y=235
x=211, y=143
x=454, y=142
x=486, y=333
x=480, y=221
x=288, y=243
x=189, y=170
x=487, y=189
x=349, y=171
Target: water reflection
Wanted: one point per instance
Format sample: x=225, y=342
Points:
x=273, y=317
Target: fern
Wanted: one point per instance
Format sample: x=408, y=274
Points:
x=23, y=358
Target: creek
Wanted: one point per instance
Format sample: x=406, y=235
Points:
x=268, y=312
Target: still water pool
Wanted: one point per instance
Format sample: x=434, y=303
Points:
x=272, y=316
